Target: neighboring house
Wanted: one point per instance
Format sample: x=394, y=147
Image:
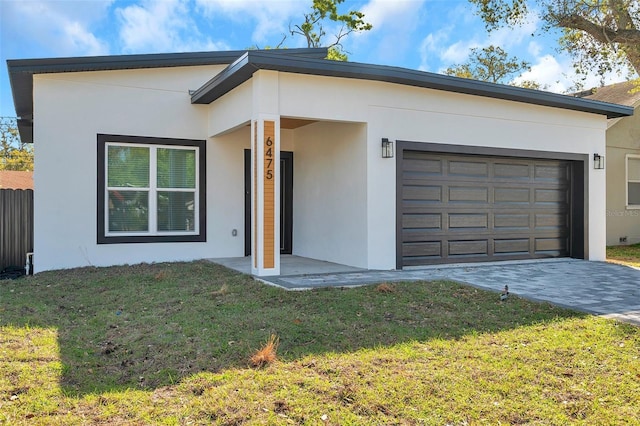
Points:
x=167, y=157
x=623, y=164
x=10, y=179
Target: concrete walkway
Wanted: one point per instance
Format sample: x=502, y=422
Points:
x=595, y=287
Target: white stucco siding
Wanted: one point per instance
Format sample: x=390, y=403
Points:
x=69, y=111
x=424, y=115
x=232, y=110
x=564, y=132
x=330, y=206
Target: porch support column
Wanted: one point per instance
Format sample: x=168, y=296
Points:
x=265, y=174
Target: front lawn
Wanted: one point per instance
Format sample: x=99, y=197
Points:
x=172, y=343
x=625, y=255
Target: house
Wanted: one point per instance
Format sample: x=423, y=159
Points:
x=11, y=179
x=623, y=164
x=167, y=157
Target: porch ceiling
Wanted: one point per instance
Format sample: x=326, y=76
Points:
x=292, y=123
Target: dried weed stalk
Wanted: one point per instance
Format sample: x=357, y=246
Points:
x=266, y=354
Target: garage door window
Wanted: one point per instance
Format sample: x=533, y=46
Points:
x=633, y=181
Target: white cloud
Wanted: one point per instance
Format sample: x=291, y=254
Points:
x=507, y=38
x=271, y=18
x=549, y=73
x=392, y=13
x=394, y=24
x=161, y=26
x=56, y=28
x=534, y=48
x=555, y=74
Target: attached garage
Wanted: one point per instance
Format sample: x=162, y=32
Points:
x=464, y=204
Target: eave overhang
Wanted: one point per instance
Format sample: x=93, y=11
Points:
x=21, y=71
x=243, y=68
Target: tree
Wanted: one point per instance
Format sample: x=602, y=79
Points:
x=14, y=154
x=491, y=64
x=315, y=22
x=600, y=35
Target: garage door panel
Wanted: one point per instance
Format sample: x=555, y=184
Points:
x=512, y=195
x=516, y=220
x=550, y=244
x=507, y=246
x=512, y=171
x=472, y=208
x=551, y=172
x=430, y=248
x=423, y=193
x=468, y=194
x=423, y=166
x=476, y=247
x=551, y=220
x=466, y=220
x=551, y=196
x=468, y=169
x=422, y=221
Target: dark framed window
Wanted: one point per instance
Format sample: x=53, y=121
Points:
x=151, y=189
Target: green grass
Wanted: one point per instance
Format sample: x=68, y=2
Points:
x=625, y=255
x=171, y=344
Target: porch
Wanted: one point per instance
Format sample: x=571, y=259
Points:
x=290, y=265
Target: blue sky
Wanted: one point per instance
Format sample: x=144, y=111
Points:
x=429, y=35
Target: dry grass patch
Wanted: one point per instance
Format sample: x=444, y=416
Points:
x=624, y=255
x=385, y=288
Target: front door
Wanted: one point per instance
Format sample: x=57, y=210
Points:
x=286, y=202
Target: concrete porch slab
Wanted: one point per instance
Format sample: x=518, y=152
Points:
x=290, y=265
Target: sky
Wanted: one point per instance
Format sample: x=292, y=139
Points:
x=428, y=35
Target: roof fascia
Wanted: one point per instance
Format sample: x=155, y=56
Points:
x=21, y=71
x=243, y=69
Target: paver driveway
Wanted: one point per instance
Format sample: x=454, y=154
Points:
x=595, y=287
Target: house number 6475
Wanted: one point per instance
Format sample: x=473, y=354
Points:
x=269, y=159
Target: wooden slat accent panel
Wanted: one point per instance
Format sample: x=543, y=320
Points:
x=458, y=208
x=269, y=193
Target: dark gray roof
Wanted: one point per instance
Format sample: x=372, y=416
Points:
x=243, y=68
x=21, y=71
x=303, y=61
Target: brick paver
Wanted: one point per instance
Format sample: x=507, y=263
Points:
x=596, y=287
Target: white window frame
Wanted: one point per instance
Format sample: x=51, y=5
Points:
x=152, y=190
x=627, y=181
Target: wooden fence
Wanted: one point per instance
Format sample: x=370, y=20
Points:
x=16, y=226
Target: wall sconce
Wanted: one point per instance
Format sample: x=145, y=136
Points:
x=598, y=161
x=387, y=148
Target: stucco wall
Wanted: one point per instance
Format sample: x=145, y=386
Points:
x=69, y=110
x=329, y=193
x=623, y=138
x=425, y=115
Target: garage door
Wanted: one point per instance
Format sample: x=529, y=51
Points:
x=457, y=208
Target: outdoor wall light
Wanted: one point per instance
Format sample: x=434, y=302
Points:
x=598, y=161
x=387, y=148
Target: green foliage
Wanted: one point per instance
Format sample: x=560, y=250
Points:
x=491, y=64
x=322, y=13
x=14, y=155
x=601, y=35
